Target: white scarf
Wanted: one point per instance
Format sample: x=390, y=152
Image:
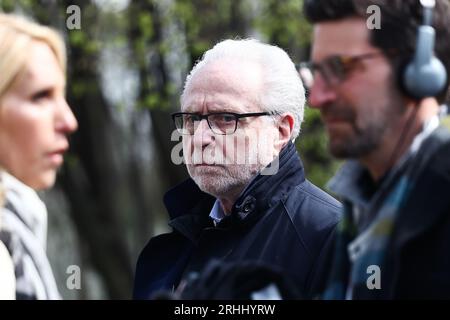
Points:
x=24, y=232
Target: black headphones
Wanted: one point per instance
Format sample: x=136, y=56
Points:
x=425, y=75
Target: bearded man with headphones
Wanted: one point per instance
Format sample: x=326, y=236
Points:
x=380, y=93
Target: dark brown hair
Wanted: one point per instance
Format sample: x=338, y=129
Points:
x=399, y=22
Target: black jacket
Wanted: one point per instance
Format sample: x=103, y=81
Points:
x=281, y=220
x=418, y=260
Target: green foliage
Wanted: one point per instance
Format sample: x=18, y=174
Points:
x=283, y=22
x=446, y=121
x=7, y=5
x=145, y=25
x=11, y=5
x=313, y=146
x=153, y=100
x=77, y=38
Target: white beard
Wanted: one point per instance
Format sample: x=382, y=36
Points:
x=230, y=176
x=221, y=181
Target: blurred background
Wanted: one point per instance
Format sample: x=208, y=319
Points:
x=127, y=65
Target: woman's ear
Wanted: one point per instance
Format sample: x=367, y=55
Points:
x=285, y=123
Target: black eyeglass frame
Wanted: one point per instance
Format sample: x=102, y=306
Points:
x=237, y=116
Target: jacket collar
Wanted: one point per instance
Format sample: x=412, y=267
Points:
x=265, y=190
x=189, y=207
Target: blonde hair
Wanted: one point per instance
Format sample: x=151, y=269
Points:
x=17, y=35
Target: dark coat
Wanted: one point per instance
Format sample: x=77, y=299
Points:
x=281, y=220
x=418, y=258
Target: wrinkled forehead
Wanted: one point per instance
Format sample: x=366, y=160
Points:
x=349, y=36
x=226, y=82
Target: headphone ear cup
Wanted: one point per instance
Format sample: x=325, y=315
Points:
x=424, y=80
x=425, y=75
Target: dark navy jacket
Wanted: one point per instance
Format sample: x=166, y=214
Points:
x=281, y=220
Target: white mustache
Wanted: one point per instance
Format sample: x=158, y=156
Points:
x=243, y=149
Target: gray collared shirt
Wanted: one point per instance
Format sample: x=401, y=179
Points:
x=217, y=214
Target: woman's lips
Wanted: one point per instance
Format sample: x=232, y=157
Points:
x=57, y=157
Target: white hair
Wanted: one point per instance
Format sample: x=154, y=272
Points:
x=283, y=89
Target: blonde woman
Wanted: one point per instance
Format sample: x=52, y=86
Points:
x=35, y=121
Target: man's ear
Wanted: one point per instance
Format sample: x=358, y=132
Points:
x=285, y=126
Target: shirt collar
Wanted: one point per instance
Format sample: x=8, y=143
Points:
x=217, y=213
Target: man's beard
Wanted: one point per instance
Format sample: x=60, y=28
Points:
x=223, y=181
x=229, y=176
x=361, y=142
x=365, y=137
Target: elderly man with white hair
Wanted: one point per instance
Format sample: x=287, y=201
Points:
x=247, y=198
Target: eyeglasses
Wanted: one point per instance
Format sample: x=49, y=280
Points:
x=221, y=123
x=333, y=70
